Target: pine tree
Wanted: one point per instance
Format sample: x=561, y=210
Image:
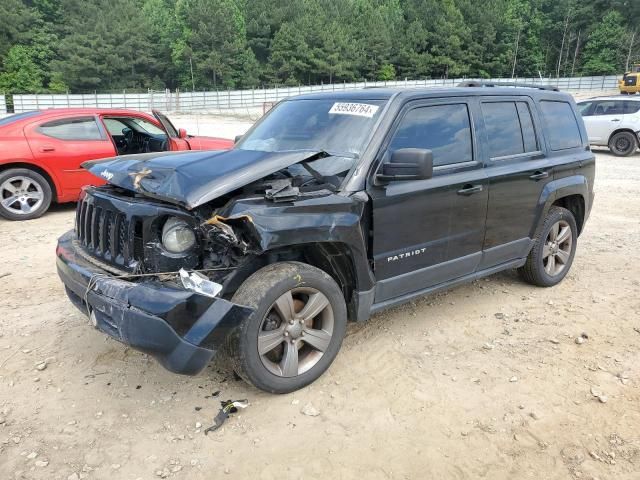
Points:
x=605, y=50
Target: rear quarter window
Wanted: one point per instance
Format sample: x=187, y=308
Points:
x=560, y=125
x=631, y=107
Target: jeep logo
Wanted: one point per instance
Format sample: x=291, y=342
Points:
x=107, y=174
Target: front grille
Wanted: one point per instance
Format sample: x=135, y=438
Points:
x=630, y=81
x=105, y=233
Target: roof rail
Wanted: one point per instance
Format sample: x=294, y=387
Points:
x=481, y=83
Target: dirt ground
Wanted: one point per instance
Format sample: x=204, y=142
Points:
x=485, y=381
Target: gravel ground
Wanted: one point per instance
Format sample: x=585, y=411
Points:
x=484, y=381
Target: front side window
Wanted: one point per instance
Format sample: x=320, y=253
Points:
x=114, y=126
x=443, y=129
x=560, y=124
x=72, y=129
x=509, y=128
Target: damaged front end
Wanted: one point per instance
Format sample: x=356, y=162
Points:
x=117, y=271
x=156, y=270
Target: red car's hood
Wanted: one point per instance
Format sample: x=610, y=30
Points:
x=209, y=143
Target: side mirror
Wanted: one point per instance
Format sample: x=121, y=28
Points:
x=182, y=133
x=237, y=139
x=408, y=164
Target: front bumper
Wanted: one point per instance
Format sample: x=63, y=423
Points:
x=181, y=329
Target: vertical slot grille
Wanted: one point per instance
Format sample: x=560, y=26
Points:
x=104, y=232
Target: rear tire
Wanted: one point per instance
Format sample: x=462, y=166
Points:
x=295, y=331
x=553, y=250
x=623, y=144
x=24, y=194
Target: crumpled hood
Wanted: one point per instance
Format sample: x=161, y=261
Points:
x=192, y=178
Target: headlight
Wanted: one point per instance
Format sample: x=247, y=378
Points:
x=177, y=236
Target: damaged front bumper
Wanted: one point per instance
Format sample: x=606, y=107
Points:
x=181, y=329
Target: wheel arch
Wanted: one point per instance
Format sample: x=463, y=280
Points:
x=576, y=205
x=30, y=166
x=334, y=258
x=570, y=192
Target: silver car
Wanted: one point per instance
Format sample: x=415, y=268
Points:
x=612, y=122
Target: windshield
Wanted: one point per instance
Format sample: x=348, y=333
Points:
x=339, y=128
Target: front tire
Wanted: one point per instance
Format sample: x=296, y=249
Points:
x=553, y=250
x=295, y=331
x=24, y=194
x=623, y=144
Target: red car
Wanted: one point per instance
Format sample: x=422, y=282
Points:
x=41, y=152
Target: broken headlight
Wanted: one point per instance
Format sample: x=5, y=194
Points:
x=177, y=235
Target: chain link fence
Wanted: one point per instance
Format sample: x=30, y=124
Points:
x=230, y=100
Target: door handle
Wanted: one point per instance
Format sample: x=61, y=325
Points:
x=539, y=175
x=47, y=148
x=615, y=120
x=470, y=189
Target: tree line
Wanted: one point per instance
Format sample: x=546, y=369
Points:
x=107, y=45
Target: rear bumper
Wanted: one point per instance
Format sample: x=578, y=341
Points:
x=183, y=330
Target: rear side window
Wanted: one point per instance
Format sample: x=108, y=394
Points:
x=509, y=128
x=561, y=125
x=443, y=129
x=72, y=129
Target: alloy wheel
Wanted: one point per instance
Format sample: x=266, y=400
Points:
x=295, y=332
x=556, y=252
x=21, y=195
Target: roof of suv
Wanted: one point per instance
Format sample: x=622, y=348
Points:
x=423, y=92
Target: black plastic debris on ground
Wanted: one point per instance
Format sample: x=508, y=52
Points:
x=227, y=408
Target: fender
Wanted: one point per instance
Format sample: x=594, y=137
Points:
x=562, y=187
x=333, y=218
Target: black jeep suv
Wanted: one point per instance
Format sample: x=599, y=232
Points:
x=332, y=207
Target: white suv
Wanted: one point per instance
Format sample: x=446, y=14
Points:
x=613, y=122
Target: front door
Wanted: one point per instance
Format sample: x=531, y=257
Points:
x=427, y=232
x=175, y=142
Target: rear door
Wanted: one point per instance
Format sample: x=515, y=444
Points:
x=426, y=232
x=518, y=171
x=601, y=119
x=175, y=142
x=64, y=143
